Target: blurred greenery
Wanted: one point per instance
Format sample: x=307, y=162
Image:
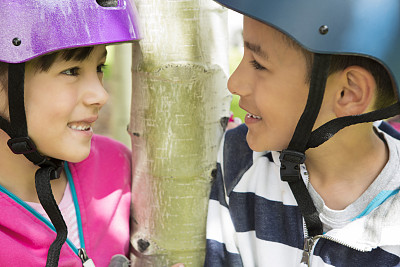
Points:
x=236, y=110
x=109, y=62
x=235, y=56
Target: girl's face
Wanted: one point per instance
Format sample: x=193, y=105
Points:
x=63, y=103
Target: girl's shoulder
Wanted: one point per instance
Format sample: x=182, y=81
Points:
x=106, y=148
x=107, y=157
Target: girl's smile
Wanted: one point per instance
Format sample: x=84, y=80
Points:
x=84, y=126
x=62, y=104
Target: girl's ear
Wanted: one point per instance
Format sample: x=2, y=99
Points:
x=356, y=93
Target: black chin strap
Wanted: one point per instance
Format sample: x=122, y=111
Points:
x=20, y=143
x=326, y=131
x=294, y=155
x=46, y=198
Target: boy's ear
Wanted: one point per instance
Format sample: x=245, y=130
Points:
x=356, y=93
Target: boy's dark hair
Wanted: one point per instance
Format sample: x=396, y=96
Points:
x=44, y=63
x=385, y=90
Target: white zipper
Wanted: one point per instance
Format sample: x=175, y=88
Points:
x=307, y=249
x=309, y=242
x=309, y=245
x=85, y=259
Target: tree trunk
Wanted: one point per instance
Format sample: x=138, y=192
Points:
x=179, y=97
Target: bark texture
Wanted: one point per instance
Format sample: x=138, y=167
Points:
x=179, y=99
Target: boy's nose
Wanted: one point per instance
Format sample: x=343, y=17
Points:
x=237, y=83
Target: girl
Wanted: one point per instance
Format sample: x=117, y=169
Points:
x=51, y=91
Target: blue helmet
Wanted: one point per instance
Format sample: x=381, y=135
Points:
x=364, y=27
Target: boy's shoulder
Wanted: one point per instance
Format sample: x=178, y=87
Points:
x=236, y=137
x=237, y=156
x=387, y=128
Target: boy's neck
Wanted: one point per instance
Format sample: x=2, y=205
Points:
x=17, y=174
x=345, y=166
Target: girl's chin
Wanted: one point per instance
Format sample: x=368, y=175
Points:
x=76, y=160
x=68, y=148
x=77, y=157
x=73, y=156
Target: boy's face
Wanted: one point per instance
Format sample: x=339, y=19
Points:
x=62, y=104
x=271, y=83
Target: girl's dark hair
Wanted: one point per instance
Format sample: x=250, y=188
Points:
x=44, y=63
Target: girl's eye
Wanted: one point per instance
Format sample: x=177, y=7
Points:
x=71, y=72
x=101, y=67
x=257, y=65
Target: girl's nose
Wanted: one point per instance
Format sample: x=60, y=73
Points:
x=95, y=94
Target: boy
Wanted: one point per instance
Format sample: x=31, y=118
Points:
x=284, y=196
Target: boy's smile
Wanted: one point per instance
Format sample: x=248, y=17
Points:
x=271, y=83
x=251, y=118
x=63, y=103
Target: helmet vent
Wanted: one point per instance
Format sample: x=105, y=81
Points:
x=107, y=3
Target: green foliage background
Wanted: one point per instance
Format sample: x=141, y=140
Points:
x=235, y=56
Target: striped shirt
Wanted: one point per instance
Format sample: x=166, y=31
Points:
x=253, y=217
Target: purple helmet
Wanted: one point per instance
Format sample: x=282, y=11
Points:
x=31, y=28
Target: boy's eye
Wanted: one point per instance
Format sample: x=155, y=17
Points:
x=101, y=67
x=256, y=65
x=71, y=72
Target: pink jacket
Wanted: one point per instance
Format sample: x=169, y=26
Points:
x=102, y=183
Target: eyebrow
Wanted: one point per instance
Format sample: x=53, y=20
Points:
x=256, y=49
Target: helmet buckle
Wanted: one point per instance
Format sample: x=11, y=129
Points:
x=290, y=161
x=21, y=145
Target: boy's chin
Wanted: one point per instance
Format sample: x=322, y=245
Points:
x=254, y=145
x=261, y=146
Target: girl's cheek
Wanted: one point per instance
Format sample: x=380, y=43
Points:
x=4, y=109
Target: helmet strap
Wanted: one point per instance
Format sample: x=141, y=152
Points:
x=20, y=143
x=46, y=198
x=294, y=155
x=326, y=131
x=16, y=79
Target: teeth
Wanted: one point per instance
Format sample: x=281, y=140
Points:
x=254, y=116
x=80, y=127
